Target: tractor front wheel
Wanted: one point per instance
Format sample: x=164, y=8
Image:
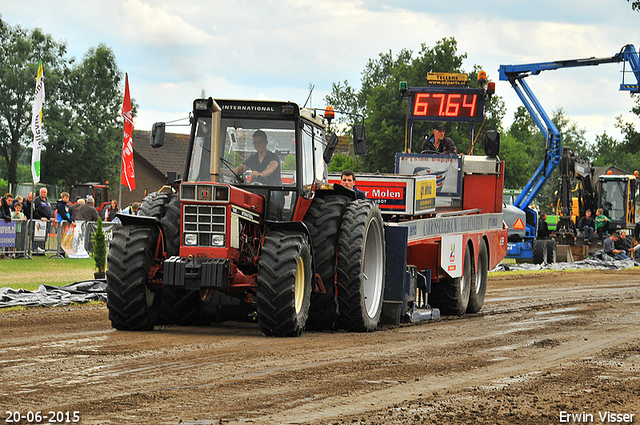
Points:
x=284, y=284
x=132, y=303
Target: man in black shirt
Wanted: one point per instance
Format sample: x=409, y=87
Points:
x=264, y=164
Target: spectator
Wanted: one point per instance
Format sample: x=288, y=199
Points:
x=110, y=213
x=62, y=209
x=621, y=243
x=543, y=227
x=17, y=213
x=348, y=180
x=18, y=216
x=26, y=205
x=5, y=207
x=132, y=209
x=609, y=248
x=83, y=211
x=587, y=225
x=42, y=211
x=602, y=224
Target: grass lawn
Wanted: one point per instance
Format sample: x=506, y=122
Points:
x=30, y=274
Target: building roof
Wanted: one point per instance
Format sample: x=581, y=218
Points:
x=170, y=157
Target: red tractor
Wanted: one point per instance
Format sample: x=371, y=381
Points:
x=254, y=232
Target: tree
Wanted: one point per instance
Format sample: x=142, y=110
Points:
x=20, y=52
x=635, y=5
x=86, y=125
x=379, y=100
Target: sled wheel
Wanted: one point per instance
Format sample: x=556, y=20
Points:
x=479, y=281
x=451, y=295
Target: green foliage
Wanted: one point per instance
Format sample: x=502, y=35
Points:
x=341, y=161
x=20, y=51
x=99, y=248
x=385, y=110
x=81, y=114
x=86, y=126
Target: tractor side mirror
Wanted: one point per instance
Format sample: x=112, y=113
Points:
x=330, y=148
x=359, y=140
x=492, y=143
x=157, y=135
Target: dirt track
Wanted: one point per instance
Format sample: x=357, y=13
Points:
x=544, y=344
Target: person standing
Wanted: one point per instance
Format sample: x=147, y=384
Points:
x=111, y=212
x=62, y=209
x=543, y=227
x=42, y=211
x=5, y=207
x=83, y=211
x=348, y=180
x=26, y=205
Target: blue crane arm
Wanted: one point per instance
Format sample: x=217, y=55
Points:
x=516, y=74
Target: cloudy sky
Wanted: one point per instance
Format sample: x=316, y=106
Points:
x=174, y=50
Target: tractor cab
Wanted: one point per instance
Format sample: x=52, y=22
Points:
x=272, y=149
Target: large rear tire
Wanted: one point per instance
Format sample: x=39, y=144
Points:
x=131, y=302
x=323, y=219
x=284, y=284
x=361, y=267
x=451, y=295
x=479, y=281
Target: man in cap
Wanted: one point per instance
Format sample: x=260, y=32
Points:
x=438, y=143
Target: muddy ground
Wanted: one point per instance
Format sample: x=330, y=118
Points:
x=546, y=346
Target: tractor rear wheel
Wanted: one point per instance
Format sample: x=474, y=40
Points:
x=451, y=295
x=132, y=304
x=361, y=267
x=284, y=284
x=479, y=281
x=323, y=219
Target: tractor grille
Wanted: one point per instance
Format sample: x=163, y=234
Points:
x=204, y=225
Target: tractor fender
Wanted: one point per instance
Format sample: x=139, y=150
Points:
x=140, y=220
x=297, y=226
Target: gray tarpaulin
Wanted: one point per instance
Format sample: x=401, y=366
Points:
x=600, y=260
x=51, y=296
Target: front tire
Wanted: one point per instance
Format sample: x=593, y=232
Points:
x=284, y=284
x=361, y=267
x=131, y=302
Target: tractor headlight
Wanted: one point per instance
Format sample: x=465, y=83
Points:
x=217, y=240
x=190, y=239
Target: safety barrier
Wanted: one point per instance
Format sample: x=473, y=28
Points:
x=21, y=238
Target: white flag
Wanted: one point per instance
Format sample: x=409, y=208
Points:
x=36, y=126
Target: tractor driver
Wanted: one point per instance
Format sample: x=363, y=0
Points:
x=264, y=164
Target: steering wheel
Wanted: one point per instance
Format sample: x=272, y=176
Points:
x=431, y=151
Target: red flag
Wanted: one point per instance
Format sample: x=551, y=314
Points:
x=128, y=176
